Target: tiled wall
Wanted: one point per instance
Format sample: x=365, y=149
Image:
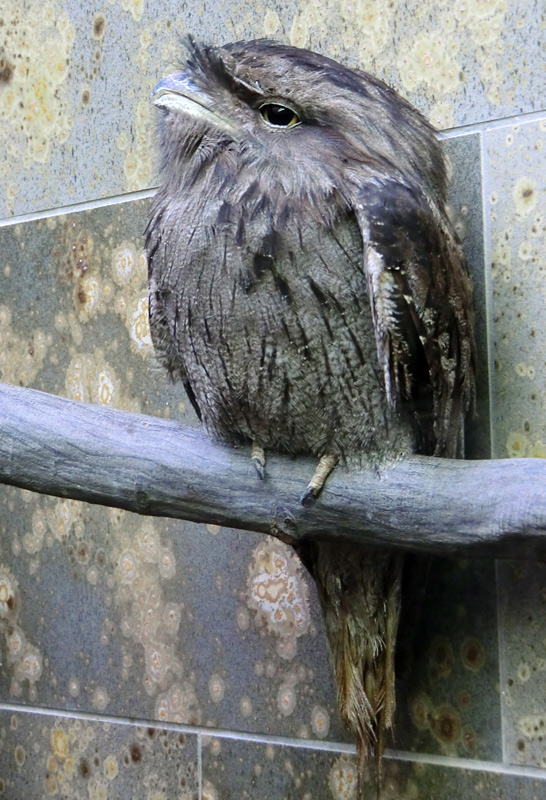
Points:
x=143, y=658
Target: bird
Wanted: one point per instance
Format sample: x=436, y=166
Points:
x=308, y=289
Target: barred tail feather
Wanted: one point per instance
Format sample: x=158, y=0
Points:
x=359, y=589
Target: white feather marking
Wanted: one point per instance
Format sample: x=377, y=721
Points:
x=384, y=312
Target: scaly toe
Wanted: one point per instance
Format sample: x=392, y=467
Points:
x=258, y=459
x=324, y=468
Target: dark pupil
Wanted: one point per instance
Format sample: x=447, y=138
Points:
x=279, y=115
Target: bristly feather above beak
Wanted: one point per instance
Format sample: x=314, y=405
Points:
x=176, y=92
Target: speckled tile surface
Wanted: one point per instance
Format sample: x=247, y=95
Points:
x=75, y=77
x=517, y=208
x=154, y=619
x=523, y=661
x=48, y=756
x=247, y=771
x=449, y=702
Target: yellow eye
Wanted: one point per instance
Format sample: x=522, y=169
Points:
x=279, y=116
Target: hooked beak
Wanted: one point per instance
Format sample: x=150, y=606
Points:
x=176, y=92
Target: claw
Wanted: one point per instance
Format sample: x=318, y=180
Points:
x=258, y=459
x=309, y=497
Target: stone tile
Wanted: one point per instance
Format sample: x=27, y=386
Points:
x=75, y=116
x=522, y=616
x=259, y=651
x=189, y=639
x=43, y=756
x=240, y=770
x=453, y=782
x=74, y=310
x=517, y=210
x=448, y=701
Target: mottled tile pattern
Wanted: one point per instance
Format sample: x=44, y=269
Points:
x=448, y=703
x=161, y=620
x=517, y=209
x=523, y=661
x=48, y=756
x=75, y=117
x=235, y=770
x=259, y=650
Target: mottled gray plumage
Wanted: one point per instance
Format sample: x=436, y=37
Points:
x=308, y=289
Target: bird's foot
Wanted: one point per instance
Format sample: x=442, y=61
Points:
x=257, y=455
x=314, y=488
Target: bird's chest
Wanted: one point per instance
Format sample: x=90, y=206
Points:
x=277, y=337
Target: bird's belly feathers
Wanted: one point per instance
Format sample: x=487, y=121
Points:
x=282, y=388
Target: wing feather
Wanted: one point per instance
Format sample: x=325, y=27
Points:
x=421, y=301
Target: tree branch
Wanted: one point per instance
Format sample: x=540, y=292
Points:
x=160, y=468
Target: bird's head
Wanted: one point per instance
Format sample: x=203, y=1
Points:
x=295, y=118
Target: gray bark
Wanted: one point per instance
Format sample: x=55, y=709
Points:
x=160, y=468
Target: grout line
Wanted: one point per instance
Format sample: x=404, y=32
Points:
x=199, y=766
x=284, y=741
x=87, y=205
x=219, y=733
x=488, y=289
x=488, y=285
x=502, y=671
x=490, y=335
x=492, y=124
x=517, y=770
